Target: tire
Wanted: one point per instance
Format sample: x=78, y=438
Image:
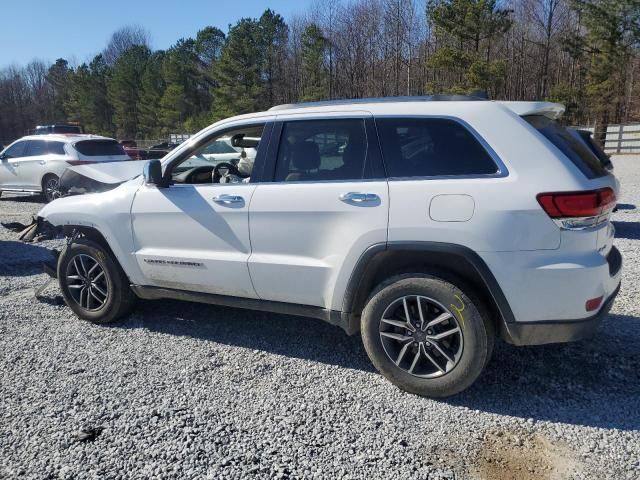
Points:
x=106, y=297
x=445, y=366
x=50, y=187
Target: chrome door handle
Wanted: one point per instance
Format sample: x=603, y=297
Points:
x=357, y=197
x=228, y=199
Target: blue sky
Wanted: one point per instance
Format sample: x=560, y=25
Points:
x=78, y=29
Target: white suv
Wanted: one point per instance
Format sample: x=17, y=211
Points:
x=430, y=226
x=34, y=164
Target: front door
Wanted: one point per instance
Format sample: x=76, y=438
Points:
x=194, y=234
x=10, y=166
x=327, y=203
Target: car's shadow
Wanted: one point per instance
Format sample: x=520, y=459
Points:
x=594, y=383
x=22, y=198
x=628, y=230
x=19, y=259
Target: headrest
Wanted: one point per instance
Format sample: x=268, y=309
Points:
x=304, y=155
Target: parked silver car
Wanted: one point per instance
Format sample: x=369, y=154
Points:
x=34, y=164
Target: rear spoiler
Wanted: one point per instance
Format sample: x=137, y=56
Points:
x=547, y=109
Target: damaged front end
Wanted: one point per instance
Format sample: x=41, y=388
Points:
x=36, y=231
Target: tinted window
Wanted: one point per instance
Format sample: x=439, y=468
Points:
x=314, y=150
x=16, y=150
x=55, y=148
x=36, y=148
x=570, y=144
x=98, y=148
x=426, y=147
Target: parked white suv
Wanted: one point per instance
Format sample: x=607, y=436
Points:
x=430, y=226
x=34, y=164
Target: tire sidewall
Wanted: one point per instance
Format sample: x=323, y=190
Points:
x=108, y=312
x=45, y=179
x=476, y=346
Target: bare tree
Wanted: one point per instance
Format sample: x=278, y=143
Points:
x=123, y=39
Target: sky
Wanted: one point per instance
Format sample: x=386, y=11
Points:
x=79, y=29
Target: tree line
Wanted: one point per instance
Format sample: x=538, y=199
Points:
x=583, y=53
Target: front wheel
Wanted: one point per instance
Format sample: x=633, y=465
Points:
x=93, y=284
x=426, y=335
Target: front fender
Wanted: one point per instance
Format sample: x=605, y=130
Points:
x=109, y=213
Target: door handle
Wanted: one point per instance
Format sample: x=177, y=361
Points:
x=358, y=197
x=228, y=199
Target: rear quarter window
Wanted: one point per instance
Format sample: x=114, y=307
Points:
x=431, y=147
x=570, y=144
x=99, y=148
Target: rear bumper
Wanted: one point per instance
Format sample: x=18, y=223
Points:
x=551, y=331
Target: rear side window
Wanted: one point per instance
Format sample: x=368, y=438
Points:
x=316, y=150
x=36, y=148
x=55, y=148
x=576, y=150
x=99, y=148
x=431, y=147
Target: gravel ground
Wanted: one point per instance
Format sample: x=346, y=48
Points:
x=183, y=390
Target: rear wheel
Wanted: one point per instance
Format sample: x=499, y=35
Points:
x=93, y=284
x=426, y=335
x=51, y=187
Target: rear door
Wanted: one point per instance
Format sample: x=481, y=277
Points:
x=326, y=202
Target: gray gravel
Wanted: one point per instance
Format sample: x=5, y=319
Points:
x=184, y=390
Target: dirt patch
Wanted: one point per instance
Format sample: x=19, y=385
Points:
x=511, y=455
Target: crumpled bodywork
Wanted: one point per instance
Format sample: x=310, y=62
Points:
x=98, y=177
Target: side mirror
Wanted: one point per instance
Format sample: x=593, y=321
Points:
x=4, y=157
x=152, y=173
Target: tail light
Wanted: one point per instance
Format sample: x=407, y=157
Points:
x=75, y=163
x=578, y=210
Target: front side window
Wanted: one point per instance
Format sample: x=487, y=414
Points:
x=224, y=158
x=316, y=150
x=16, y=150
x=431, y=147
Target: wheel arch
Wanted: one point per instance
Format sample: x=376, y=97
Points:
x=452, y=262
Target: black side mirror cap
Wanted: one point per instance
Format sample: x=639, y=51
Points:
x=152, y=173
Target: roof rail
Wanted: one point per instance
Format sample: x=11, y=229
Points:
x=355, y=101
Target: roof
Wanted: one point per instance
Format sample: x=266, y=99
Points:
x=358, y=101
x=66, y=137
x=552, y=110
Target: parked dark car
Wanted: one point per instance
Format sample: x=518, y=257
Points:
x=58, y=128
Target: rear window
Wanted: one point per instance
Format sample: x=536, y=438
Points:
x=431, y=147
x=576, y=150
x=99, y=148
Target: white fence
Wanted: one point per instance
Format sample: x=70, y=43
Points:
x=621, y=138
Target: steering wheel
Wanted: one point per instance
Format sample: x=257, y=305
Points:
x=222, y=170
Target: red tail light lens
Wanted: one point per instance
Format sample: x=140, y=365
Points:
x=75, y=163
x=578, y=204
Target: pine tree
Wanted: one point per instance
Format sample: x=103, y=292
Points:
x=274, y=39
x=472, y=25
x=613, y=32
x=315, y=84
x=238, y=72
x=124, y=87
x=153, y=87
